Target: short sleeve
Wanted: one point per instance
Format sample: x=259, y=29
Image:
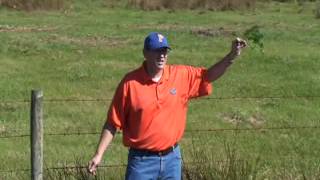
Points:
x=198, y=82
x=118, y=108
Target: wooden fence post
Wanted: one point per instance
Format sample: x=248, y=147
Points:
x=36, y=135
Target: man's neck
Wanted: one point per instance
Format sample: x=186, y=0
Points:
x=155, y=74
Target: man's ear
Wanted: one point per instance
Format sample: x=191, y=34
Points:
x=145, y=53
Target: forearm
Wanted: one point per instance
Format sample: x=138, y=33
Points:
x=107, y=135
x=218, y=69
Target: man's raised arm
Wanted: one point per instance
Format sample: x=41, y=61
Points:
x=218, y=69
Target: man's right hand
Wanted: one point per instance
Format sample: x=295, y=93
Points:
x=93, y=164
x=105, y=139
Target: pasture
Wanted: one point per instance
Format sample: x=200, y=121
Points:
x=261, y=122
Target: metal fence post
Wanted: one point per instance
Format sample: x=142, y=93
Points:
x=36, y=135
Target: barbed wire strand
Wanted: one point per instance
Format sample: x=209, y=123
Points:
x=105, y=166
x=124, y=165
x=204, y=98
x=64, y=167
x=15, y=170
x=14, y=136
x=187, y=131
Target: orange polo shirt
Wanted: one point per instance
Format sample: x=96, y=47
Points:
x=152, y=115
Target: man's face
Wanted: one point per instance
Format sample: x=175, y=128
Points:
x=157, y=58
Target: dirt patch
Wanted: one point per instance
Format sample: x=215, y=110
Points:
x=2, y=129
x=93, y=41
x=30, y=5
x=7, y=28
x=159, y=27
x=211, y=32
x=198, y=31
x=256, y=121
x=233, y=118
x=192, y=4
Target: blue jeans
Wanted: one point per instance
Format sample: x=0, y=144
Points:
x=147, y=166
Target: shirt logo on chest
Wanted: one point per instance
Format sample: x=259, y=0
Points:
x=173, y=91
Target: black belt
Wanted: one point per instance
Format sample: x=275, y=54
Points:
x=159, y=153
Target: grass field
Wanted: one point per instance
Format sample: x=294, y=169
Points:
x=84, y=51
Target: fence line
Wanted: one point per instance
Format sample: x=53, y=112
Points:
x=107, y=166
x=260, y=97
x=85, y=167
x=78, y=133
x=187, y=131
x=204, y=98
x=65, y=167
x=15, y=170
x=124, y=165
x=256, y=129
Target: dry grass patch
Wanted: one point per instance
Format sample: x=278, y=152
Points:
x=30, y=5
x=317, y=10
x=3, y=129
x=159, y=27
x=255, y=121
x=211, y=32
x=192, y=4
x=92, y=41
x=195, y=30
x=234, y=118
x=7, y=28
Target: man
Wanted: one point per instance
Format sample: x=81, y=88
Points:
x=150, y=107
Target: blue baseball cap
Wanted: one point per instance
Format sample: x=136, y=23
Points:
x=156, y=41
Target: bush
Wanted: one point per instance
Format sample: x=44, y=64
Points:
x=30, y=5
x=192, y=4
x=255, y=36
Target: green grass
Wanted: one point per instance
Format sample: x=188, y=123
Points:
x=84, y=52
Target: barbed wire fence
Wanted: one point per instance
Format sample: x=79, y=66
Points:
x=205, y=98
x=95, y=132
x=78, y=133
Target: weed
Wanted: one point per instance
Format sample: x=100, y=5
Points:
x=232, y=166
x=255, y=35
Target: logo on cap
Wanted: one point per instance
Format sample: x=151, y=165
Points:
x=160, y=37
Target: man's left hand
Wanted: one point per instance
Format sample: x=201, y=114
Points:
x=237, y=45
